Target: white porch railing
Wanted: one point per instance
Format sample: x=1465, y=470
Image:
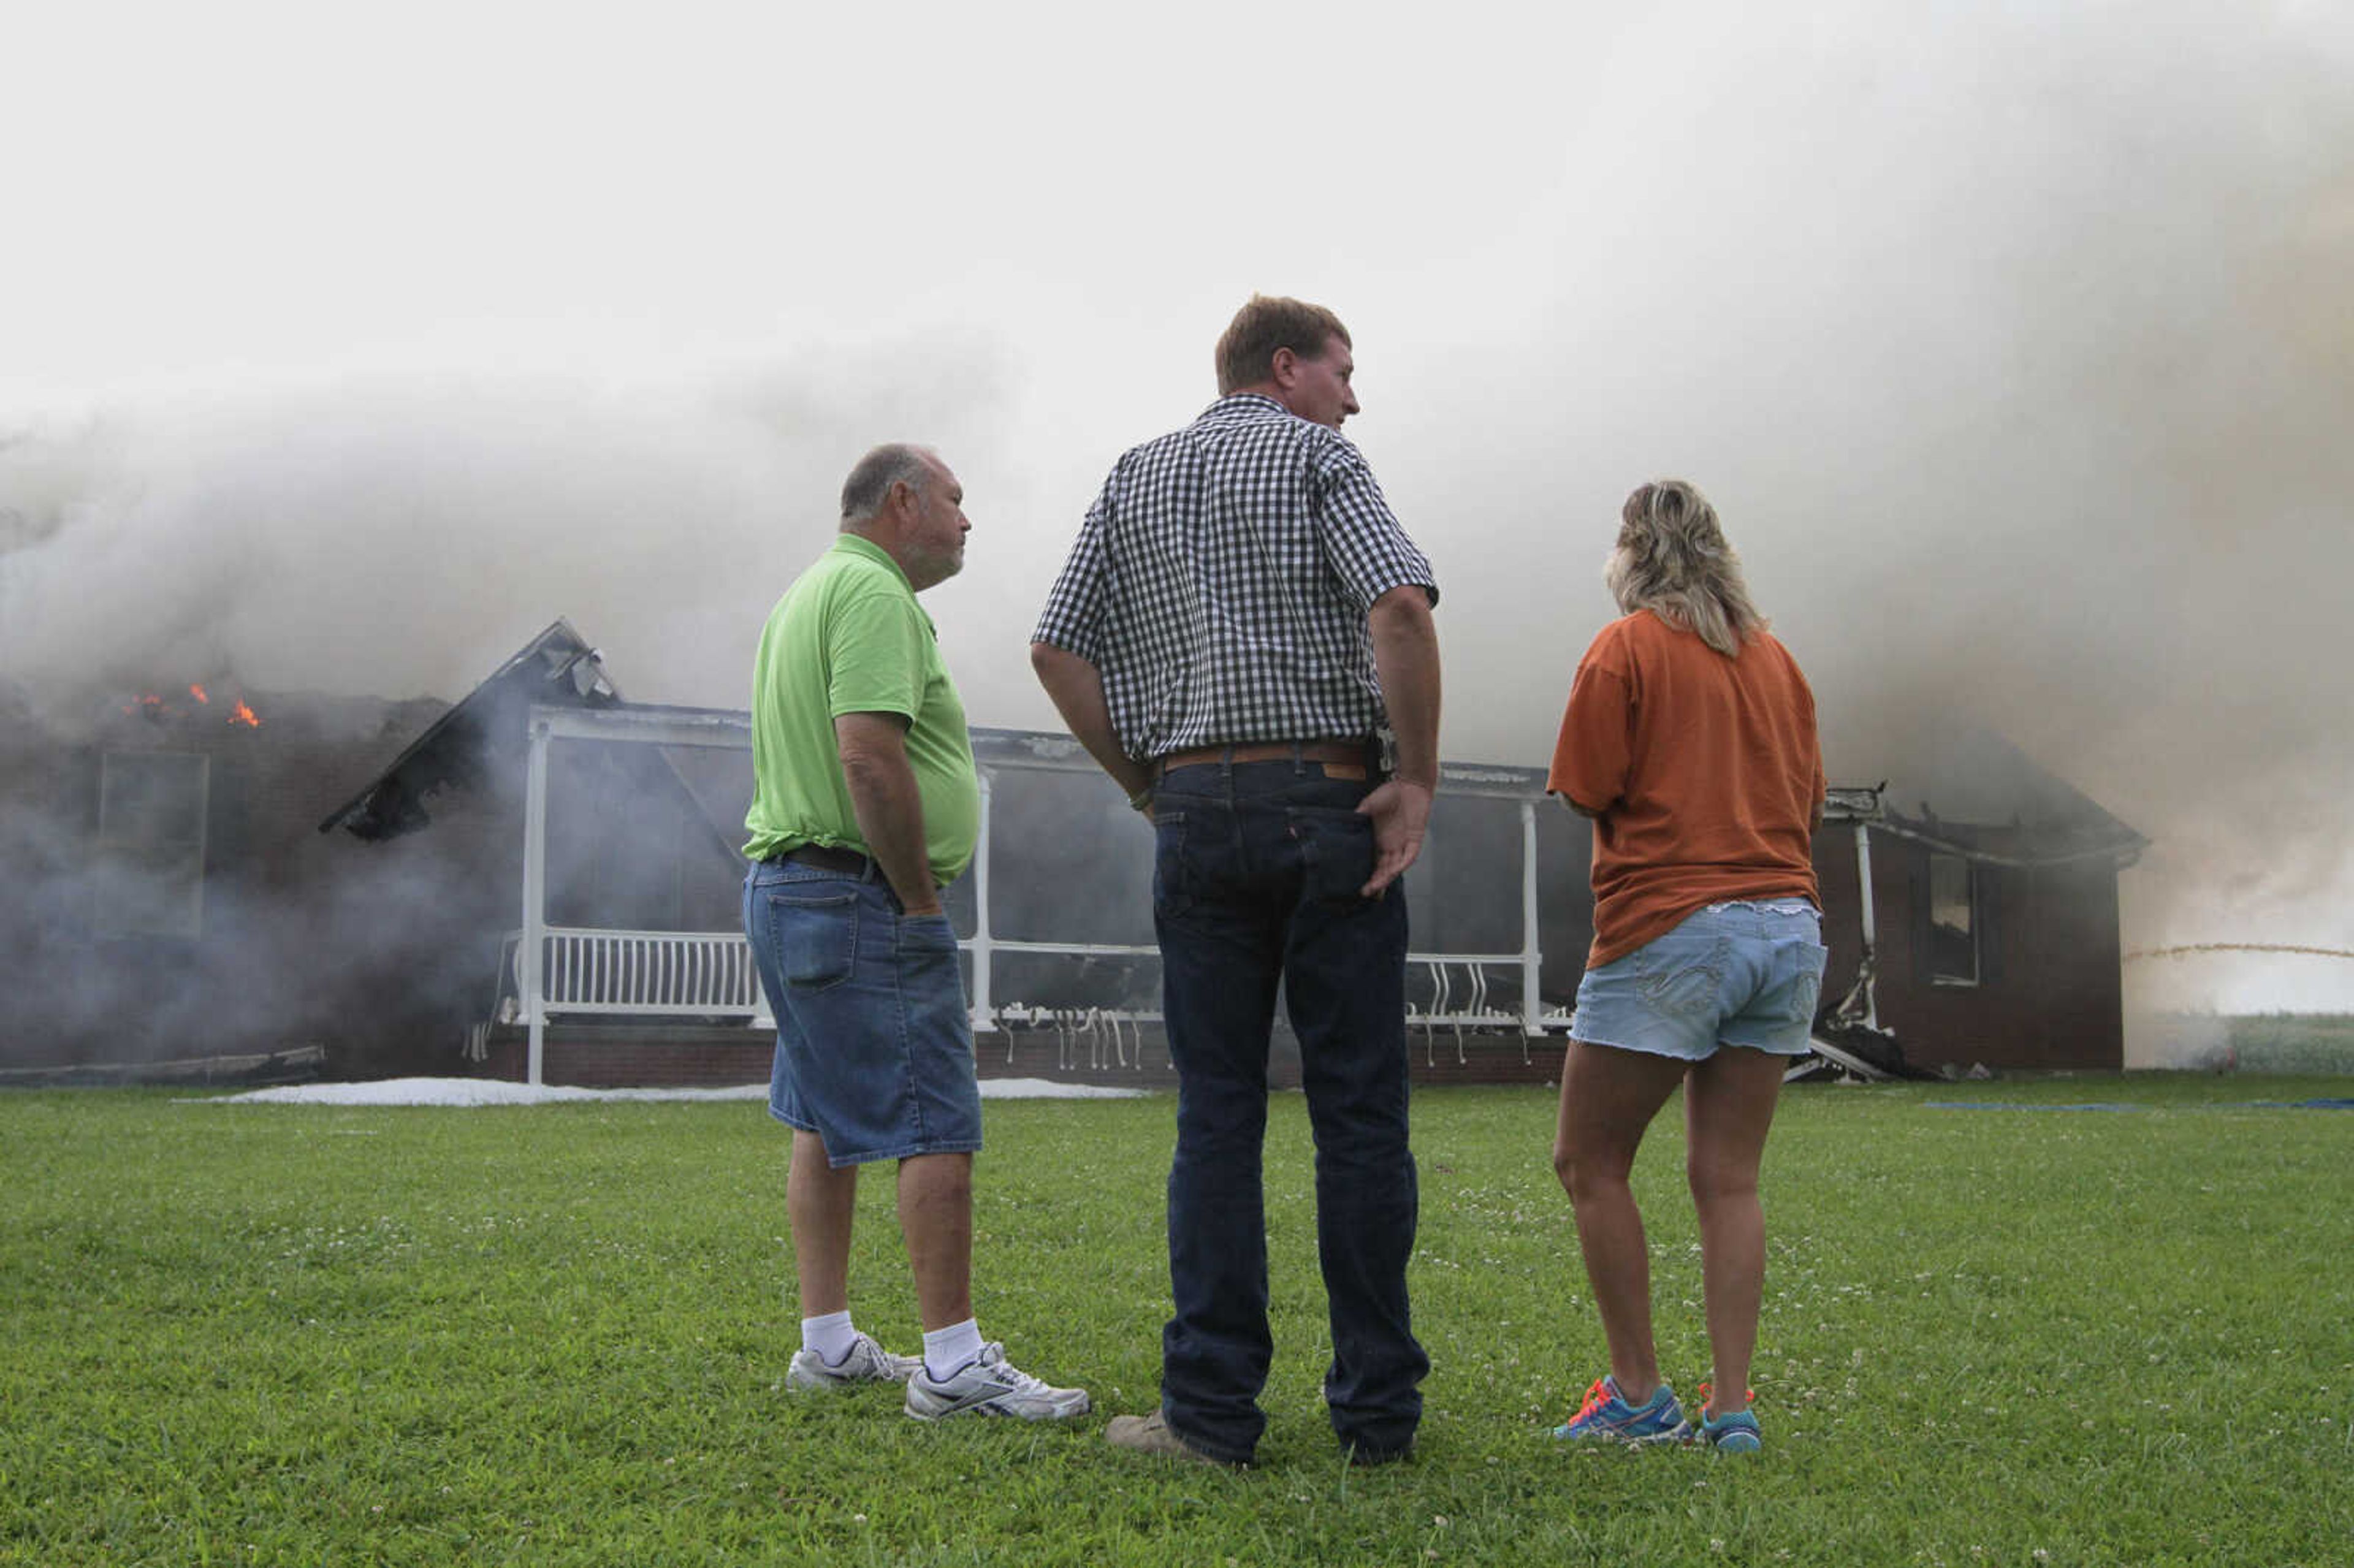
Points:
x=711, y=974
x=695, y=974
x=1460, y=1000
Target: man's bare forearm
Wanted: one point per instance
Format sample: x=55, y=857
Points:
x=1405, y=657
x=1076, y=687
x=888, y=804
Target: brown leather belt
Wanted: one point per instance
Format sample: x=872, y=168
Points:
x=850, y=863
x=1335, y=755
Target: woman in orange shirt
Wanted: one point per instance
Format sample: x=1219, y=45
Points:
x=1690, y=740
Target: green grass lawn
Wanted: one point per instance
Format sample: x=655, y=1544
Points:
x=303, y=1335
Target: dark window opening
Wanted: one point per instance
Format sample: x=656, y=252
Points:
x=1953, y=921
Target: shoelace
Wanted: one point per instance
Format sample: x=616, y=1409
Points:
x=1748, y=1397
x=1015, y=1378
x=1596, y=1398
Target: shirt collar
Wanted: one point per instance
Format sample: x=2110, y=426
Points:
x=859, y=545
x=1247, y=403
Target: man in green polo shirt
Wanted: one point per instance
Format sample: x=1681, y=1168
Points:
x=865, y=804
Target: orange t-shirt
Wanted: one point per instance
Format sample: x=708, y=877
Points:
x=1705, y=774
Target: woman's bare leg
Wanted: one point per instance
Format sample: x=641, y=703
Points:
x=1728, y=1109
x=1608, y=1098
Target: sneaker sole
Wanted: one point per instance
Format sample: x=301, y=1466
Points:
x=1051, y=1413
x=815, y=1384
x=1737, y=1441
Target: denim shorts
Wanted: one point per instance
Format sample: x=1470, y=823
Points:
x=1738, y=973
x=874, y=1039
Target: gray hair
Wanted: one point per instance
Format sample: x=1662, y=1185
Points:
x=869, y=484
x=1671, y=559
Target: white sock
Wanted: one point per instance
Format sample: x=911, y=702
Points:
x=829, y=1336
x=950, y=1351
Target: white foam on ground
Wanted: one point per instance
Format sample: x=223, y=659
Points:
x=499, y=1092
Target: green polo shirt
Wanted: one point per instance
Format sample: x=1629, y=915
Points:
x=849, y=637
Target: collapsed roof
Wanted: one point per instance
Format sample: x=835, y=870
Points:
x=1963, y=790
x=462, y=747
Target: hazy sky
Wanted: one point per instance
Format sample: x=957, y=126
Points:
x=2015, y=344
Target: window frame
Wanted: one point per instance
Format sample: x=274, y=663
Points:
x=1933, y=951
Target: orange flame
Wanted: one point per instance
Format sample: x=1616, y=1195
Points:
x=147, y=705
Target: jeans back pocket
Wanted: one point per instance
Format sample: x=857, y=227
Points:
x=1683, y=979
x=1336, y=851
x=816, y=938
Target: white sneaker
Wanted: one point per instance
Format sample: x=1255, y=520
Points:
x=866, y=1362
x=991, y=1385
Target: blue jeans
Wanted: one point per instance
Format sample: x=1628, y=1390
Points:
x=1741, y=972
x=1255, y=873
x=873, y=1040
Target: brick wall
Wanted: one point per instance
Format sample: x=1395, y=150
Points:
x=704, y=1056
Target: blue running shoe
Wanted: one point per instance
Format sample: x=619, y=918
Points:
x=1609, y=1418
x=1734, y=1433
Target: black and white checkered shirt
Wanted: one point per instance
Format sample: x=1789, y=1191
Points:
x=1221, y=580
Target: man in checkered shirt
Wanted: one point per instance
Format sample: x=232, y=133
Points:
x=1241, y=638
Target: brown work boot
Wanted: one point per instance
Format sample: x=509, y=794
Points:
x=1150, y=1434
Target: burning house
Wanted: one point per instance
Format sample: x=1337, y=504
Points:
x=544, y=881
x=625, y=967
x=166, y=904
x=1970, y=903
x=1989, y=935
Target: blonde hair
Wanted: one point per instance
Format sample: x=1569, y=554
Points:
x=1671, y=559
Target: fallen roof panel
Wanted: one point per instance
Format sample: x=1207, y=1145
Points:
x=559, y=667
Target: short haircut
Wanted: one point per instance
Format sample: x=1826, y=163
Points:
x=1247, y=351
x=869, y=484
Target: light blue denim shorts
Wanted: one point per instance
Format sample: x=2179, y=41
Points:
x=873, y=1038
x=1738, y=973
